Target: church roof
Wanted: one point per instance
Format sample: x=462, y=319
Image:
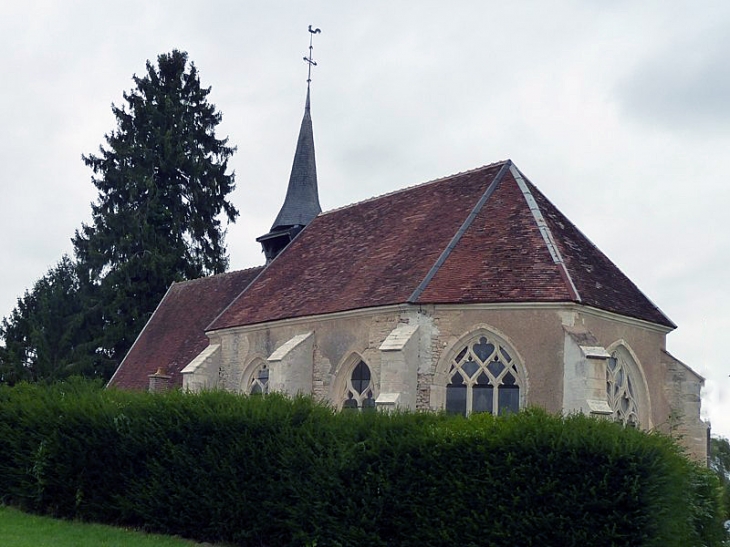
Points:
x=175, y=334
x=482, y=236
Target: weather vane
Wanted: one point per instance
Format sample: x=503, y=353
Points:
x=311, y=62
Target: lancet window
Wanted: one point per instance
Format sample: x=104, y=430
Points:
x=483, y=377
x=259, y=383
x=621, y=389
x=359, y=393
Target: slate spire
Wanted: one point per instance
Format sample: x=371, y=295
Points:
x=302, y=198
x=301, y=204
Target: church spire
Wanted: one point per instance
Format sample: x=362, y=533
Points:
x=301, y=204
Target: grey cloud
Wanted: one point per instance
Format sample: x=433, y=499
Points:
x=684, y=87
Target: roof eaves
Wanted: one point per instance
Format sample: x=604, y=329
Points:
x=547, y=235
x=464, y=227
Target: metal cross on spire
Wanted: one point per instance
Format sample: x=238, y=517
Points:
x=311, y=62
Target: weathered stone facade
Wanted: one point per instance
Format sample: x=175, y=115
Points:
x=561, y=352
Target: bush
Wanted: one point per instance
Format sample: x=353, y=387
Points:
x=276, y=471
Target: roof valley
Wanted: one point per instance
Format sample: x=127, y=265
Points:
x=464, y=227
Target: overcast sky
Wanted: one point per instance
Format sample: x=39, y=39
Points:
x=618, y=111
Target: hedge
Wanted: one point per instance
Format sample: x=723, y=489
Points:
x=274, y=471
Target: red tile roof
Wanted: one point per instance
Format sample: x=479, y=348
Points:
x=175, y=334
x=598, y=281
x=472, y=237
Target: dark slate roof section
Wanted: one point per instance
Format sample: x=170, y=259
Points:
x=175, y=334
x=599, y=281
x=373, y=253
x=301, y=204
x=416, y=246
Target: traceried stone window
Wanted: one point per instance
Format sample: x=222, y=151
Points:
x=359, y=391
x=483, y=378
x=259, y=384
x=621, y=389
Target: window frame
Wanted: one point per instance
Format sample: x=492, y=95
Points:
x=253, y=378
x=627, y=361
x=350, y=398
x=475, y=365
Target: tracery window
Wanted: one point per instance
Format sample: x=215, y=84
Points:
x=359, y=390
x=483, y=377
x=259, y=384
x=621, y=389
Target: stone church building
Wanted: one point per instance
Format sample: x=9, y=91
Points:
x=469, y=293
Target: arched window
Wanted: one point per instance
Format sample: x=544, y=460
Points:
x=359, y=390
x=483, y=378
x=621, y=390
x=259, y=383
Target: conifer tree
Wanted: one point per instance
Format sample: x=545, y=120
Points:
x=163, y=183
x=45, y=336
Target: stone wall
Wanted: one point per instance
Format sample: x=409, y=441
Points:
x=561, y=351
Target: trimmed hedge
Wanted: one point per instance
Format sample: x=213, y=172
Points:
x=274, y=471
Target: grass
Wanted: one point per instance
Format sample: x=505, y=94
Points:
x=18, y=529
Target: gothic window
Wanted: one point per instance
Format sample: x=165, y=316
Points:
x=359, y=390
x=621, y=389
x=483, y=378
x=259, y=384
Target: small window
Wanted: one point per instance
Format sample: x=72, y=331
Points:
x=483, y=378
x=359, y=393
x=259, y=384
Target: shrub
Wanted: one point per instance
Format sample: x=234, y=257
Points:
x=276, y=471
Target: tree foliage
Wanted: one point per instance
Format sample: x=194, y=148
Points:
x=163, y=186
x=46, y=335
x=163, y=180
x=720, y=464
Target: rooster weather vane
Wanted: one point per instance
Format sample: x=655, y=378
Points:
x=311, y=62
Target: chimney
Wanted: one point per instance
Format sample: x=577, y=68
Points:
x=160, y=381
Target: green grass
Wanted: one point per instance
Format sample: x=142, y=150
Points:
x=18, y=529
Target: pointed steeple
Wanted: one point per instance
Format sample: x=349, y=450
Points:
x=302, y=198
x=301, y=204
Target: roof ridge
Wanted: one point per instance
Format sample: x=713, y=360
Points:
x=206, y=277
x=408, y=188
x=545, y=231
x=491, y=187
x=590, y=242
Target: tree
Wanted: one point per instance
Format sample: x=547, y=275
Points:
x=720, y=464
x=46, y=337
x=163, y=185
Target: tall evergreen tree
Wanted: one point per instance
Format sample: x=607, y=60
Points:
x=163, y=185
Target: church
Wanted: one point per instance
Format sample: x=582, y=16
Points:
x=468, y=293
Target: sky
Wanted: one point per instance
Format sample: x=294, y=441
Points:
x=619, y=112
